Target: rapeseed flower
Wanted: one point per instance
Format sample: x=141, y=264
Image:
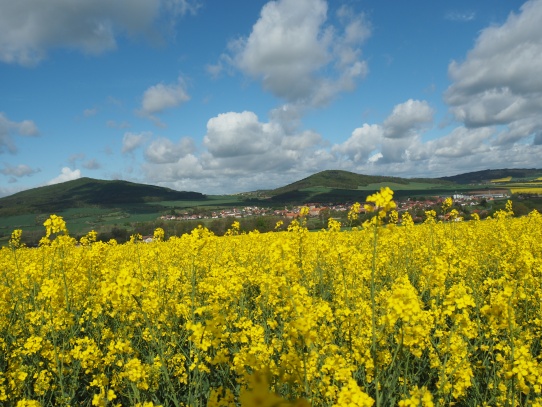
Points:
x=383, y=202
x=192, y=319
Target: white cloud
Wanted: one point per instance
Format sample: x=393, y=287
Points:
x=163, y=150
x=462, y=142
x=363, y=141
x=19, y=171
x=160, y=97
x=398, y=150
x=374, y=158
x=239, y=142
x=240, y=152
x=391, y=141
x=29, y=28
x=67, y=174
x=499, y=83
x=369, y=151
x=407, y=118
x=518, y=131
x=290, y=46
x=244, y=153
x=9, y=128
x=289, y=116
x=131, y=141
x=239, y=134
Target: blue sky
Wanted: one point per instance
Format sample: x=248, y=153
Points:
x=233, y=96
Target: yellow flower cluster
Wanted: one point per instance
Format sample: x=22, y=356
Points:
x=383, y=202
x=434, y=314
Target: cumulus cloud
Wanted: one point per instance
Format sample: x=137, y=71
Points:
x=239, y=142
x=374, y=158
x=131, y=141
x=291, y=46
x=499, y=82
x=240, y=151
x=369, y=151
x=18, y=171
x=362, y=143
x=9, y=128
x=29, y=28
x=160, y=97
x=407, y=118
x=277, y=153
x=462, y=142
x=67, y=174
x=239, y=134
x=391, y=141
x=163, y=150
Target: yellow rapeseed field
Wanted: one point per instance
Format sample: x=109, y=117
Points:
x=506, y=179
x=536, y=190
x=437, y=314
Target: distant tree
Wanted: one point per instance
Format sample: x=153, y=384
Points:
x=121, y=235
x=520, y=209
x=324, y=216
x=219, y=226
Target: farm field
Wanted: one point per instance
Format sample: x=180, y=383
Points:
x=528, y=188
x=81, y=220
x=327, y=194
x=409, y=186
x=382, y=315
x=211, y=201
x=115, y=208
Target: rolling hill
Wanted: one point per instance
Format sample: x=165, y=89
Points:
x=333, y=185
x=485, y=176
x=338, y=179
x=88, y=192
x=325, y=186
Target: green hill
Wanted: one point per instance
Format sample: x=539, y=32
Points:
x=332, y=185
x=88, y=192
x=486, y=176
x=338, y=179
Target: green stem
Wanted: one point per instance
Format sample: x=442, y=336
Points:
x=373, y=317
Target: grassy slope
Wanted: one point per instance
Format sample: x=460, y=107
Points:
x=484, y=176
x=88, y=192
x=333, y=185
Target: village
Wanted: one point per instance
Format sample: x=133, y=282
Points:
x=473, y=199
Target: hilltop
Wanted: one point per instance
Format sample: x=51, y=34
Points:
x=348, y=180
x=89, y=192
x=486, y=176
x=324, y=186
x=333, y=185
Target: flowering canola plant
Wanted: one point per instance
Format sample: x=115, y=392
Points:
x=436, y=314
